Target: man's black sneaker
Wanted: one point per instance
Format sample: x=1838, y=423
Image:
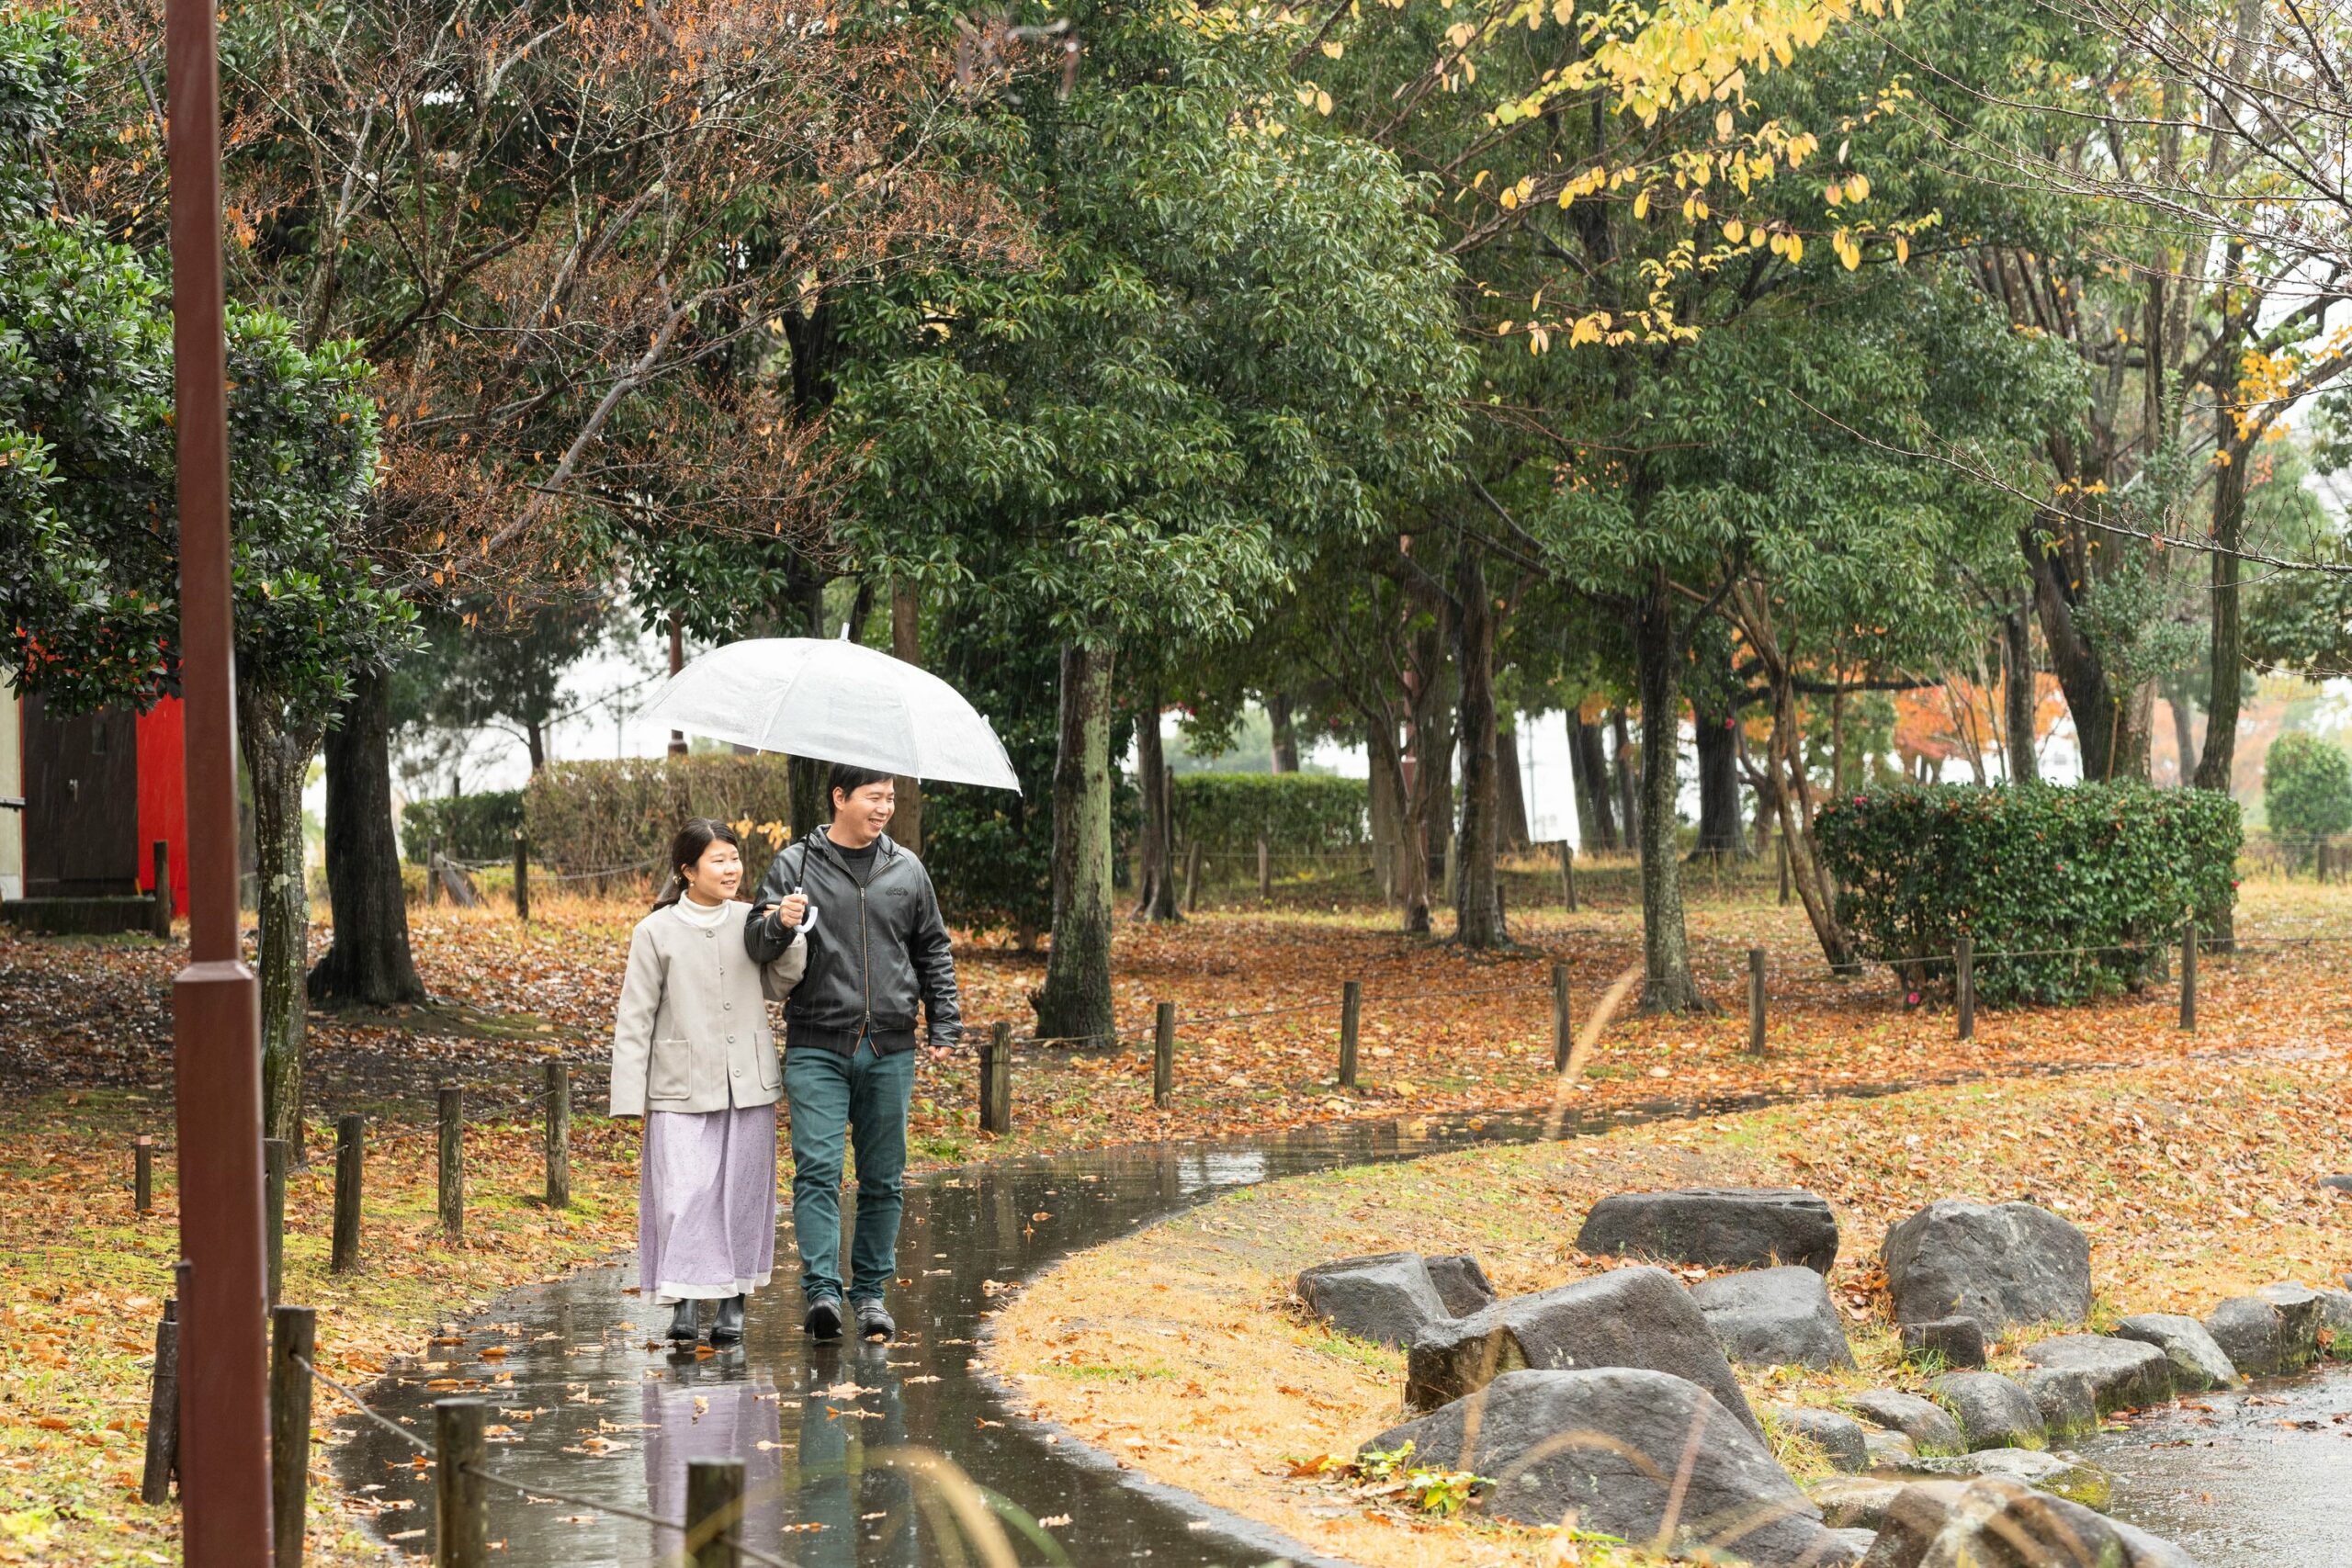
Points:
x=682, y=1322
x=727, y=1326
x=873, y=1321
x=823, y=1320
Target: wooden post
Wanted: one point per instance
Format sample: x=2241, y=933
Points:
x=1564, y=1038
x=1784, y=867
x=1756, y=1001
x=292, y=1347
x=1964, y=986
x=1350, y=1020
x=996, y=1079
x=460, y=1497
x=2189, y=975
x=559, y=1135
x=453, y=1164
x=1163, y=1053
x=273, y=1211
x=431, y=873
x=522, y=879
x=349, y=1153
x=142, y=1173
x=1266, y=868
x=1568, y=874
x=163, y=1410
x=714, y=1510
x=163, y=910
x=1192, y=877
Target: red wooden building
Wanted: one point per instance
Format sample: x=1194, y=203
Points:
x=99, y=790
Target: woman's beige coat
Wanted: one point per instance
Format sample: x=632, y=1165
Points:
x=692, y=1030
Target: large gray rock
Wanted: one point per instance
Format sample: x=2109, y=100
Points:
x=1992, y=1523
x=2000, y=1265
x=2197, y=1363
x=2125, y=1374
x=1958, y=1342
x=1889, y=1450
x=1721, y=1227
x=2300, y=1320
x=1993, y=1412
x=2251, y=1334
x=1629, y=1317
x=1775, y=1317
x=1854, y=1501
x=1839, y=1437
x=1386, y=1297
x=2066, y=1396
x=2335, y=1322
x=1928, y=1424
x=2336, y=1183
x=1617, y=1445
x=2067, y=1474
x=1461, y=1283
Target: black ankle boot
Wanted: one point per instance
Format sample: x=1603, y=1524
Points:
x=727, y=1325
x=682, y=1322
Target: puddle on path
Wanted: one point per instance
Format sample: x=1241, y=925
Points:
x=2262, y=1479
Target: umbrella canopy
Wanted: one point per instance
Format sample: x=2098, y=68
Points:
x=840, y=701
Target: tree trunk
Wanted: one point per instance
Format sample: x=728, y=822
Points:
x=535, y=740
x=2102, y=724
x=810, y=803
x=1589, y=759
x=1285, y=734
x=1629, y=799
x=905, y=643
x=2216, y=767
x=2184, y=729
x=1793, y=787
x=1433, y=741
x=2021, y=701
x=1515, y=835
x=1157, y=892
x=1412, y=867
x=1667, y=985
x=277, y=761
x=1477, y=891
x=1075, y=1003
x=369, y=961
x=1722, y=835
x=1386, y=817
x=677, y=662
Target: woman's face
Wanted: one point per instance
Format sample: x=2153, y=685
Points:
x=714, y=878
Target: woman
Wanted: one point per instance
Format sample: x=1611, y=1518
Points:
x=693, y=1054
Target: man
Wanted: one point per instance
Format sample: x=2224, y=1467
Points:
x=876, y=948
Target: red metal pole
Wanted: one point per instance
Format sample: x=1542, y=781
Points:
x=216, y=1018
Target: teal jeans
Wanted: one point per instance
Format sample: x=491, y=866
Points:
x=837, y=1102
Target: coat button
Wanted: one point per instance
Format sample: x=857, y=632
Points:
x=730, y=1040
x=727, y=1006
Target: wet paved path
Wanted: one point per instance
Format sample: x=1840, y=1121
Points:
x=614, y=1421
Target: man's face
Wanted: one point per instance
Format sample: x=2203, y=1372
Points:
x=861, y=814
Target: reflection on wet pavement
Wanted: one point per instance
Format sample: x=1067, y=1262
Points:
x=2262, y=1477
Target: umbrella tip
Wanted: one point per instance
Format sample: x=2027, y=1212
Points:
x=844, y=631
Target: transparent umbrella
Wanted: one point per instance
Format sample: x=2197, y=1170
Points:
x=838, y=701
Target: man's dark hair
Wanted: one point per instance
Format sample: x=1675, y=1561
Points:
x=849, y=778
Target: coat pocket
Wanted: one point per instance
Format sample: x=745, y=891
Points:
x=670, y=1074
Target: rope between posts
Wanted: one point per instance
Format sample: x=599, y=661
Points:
x=748, y=1553
x=394, y=1428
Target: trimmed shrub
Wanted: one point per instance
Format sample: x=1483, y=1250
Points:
x=466, y=827
x=2113, y=868
x=602, y=815
x=1300, y=812
x=2306, y=793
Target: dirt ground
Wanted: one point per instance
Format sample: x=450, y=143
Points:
x=1183, y=1350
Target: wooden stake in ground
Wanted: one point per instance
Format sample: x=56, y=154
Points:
x=714, y=1510
x=1568, y=874
x=1351, y=1020
x=142, y=1173
x=292, y=1351
x=1163, y=1054
x=163, y=1410
x=522, y=879
x=1563, y=1037
x=559, y=1135
x=349, y=1162
x=996, y=1080
x=1756, y=1001
x=460, y=1497
x=1964, y=986
x=2189, y=977
x=273, y=1211
x=452, y=1206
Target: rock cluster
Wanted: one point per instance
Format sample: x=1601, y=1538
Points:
x=1614, y=1396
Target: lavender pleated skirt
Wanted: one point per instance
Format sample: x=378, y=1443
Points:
x=705, y=1203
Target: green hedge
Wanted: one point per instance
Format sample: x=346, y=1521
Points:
x=588, y=816
x=466, y=827
x=1299, y=812
x=2113, y=867
x=2306, y=794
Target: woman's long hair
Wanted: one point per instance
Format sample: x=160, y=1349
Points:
x=698, y=834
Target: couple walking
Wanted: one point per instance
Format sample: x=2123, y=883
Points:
x=846, y=931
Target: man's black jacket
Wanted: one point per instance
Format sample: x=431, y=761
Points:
x=876, y=948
